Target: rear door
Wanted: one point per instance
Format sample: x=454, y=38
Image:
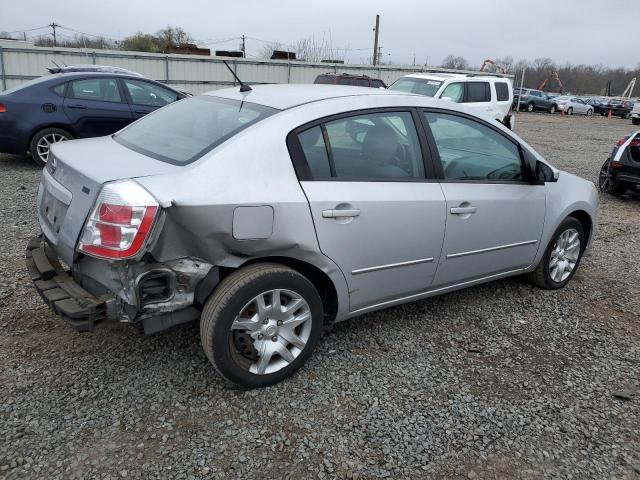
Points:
x=145, y=96
x=494, y=215
x=377, y=214
x=96, y=106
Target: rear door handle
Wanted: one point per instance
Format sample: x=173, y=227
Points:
x=463, y=210
x=77, y=105
x=354, y=212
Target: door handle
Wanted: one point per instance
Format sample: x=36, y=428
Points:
x=354, y=212
x=78, y=106
x=463, y=210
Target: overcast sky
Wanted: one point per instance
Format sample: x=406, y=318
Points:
x=576, y=31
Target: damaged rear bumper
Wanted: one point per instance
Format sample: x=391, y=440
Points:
x=60, y=292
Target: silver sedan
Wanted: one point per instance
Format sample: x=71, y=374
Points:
x=268, y=214
x=571, y=105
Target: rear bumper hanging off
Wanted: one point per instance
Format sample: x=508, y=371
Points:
x=61, y=293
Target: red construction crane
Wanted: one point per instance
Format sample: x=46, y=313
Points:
x=499, y=68
x=552, y=76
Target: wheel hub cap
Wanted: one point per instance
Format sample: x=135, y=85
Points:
x=564, y=255
x=278, y=322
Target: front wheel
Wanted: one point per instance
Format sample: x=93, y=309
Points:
x=41, y=143
x=530, y=107
x=552, y=109
x=261, y=324
x=570, y=111
x=561, y=257
x=589, y=112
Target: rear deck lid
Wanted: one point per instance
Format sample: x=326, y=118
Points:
x=71, y=182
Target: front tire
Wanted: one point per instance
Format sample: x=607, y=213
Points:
x=561, y=257
x=41, y=143
x=261, y=324
x=530, y=107
x=552, y=109
x=589, y=112
x=570, y=111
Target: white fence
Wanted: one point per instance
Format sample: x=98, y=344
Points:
x=21, y=61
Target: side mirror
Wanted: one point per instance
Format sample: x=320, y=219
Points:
x=544, y=173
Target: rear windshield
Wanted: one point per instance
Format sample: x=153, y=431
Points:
x=421, y=86
x=183, y=131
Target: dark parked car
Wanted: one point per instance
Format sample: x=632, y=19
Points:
x=621, y=171
x=533, y=100
x=64, y=106
x=347, y=79
x=618, y=108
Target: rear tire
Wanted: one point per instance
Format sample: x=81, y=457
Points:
x=41, y=143
x=570, y=111
x=250, y=342
x=561, y=257
x=552, y=109
x=589, y=112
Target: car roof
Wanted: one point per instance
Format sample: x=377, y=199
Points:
x=284, y=96
x=447, y=76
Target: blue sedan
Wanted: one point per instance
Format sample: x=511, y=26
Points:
x=64, y=106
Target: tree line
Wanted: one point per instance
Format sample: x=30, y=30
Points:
x=577, y=79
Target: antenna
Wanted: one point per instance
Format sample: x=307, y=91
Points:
x=243, y=86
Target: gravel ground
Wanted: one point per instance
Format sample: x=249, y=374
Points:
x=497, y=381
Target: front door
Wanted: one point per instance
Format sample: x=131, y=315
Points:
x=494, y=216
x=96, y=107
x=376, y=214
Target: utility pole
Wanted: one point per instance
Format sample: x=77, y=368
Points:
x=375, y=41
x=53, y=25
x=244, y=50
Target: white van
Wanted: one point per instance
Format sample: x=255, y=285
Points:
x=487, y=96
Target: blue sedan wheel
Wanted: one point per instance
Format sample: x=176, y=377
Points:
x=42, y=141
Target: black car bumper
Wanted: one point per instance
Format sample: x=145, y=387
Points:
x=61, y=293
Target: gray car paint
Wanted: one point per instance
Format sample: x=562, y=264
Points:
x=377, y=259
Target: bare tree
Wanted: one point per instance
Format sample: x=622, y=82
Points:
x=311, y=49
x=454, y=62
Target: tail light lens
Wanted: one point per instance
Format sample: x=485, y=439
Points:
x=634, y=143
x=120, y=221
x=3, y=108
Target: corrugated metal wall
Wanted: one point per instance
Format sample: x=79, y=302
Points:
x=20, y=62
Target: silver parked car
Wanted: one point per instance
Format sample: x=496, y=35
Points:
x=268, y=214
x=571, y=105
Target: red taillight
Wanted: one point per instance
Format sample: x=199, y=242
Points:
x=120, y=222
x=3, y=108
x=634, y=143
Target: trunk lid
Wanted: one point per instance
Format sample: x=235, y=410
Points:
x=72, y=179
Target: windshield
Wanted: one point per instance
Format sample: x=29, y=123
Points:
x=185, y=130
x=421, y=86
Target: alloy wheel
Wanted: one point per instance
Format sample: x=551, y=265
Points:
x=565, y=255
x=271, y=331
x=44, y=145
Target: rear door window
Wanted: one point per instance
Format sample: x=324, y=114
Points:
x=315, y=152
x=502, y=91
x=362, y=82
x=345, y=81
x=100, y=89
x=478, y=92
x=375, y=146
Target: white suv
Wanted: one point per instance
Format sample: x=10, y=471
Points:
x=486, y=96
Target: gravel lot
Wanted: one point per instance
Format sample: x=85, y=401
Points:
x=497, y=381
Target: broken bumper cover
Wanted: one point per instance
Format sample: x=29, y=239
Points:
x=65, y=297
